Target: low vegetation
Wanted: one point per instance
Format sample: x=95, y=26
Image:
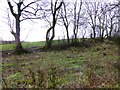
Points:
x=74, y=67
x=25, y=45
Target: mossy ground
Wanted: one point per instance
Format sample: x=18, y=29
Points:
x=76, y=67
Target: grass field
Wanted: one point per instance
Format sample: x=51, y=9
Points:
x=27, y=45
x=24, y=44
x=75, y=67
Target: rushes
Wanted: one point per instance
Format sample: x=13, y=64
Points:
x=44, y=79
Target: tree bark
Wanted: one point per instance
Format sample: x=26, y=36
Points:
x=54, y=20
x=94, y=32
x=18, y=45
x=65, y=21
x=68, y=39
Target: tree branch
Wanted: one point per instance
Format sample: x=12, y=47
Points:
x=30, y=18
x=11, y=8
x=29, y=5
x=59, y=6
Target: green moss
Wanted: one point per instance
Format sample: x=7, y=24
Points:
x=70, y=64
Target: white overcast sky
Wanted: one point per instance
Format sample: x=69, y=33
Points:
x=36, y=31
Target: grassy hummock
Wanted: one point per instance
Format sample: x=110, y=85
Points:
x=74, y=67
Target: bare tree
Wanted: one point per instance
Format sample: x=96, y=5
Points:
x=112, y=20
x=102, y=18
x=21, y=7
x=76, y=20
x=92, y=9
x=110, y=12
x=55, y=8
x=66, y=19
x=115, y=7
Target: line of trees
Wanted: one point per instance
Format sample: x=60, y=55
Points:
x=100, y=18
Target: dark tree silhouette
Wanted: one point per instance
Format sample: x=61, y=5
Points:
x=65, y=20
x=18, y=47
x=54, y=9
x=76, y=16
x=92, y=9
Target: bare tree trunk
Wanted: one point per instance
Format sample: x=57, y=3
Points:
x=75, y=22
x=111, y=29
x=18, y=47
x=102, y=35
x=68, y=39
x=49, y=40
x=94, y=32
x=65, y=21
x=54, y=12
x=48, y=43
x=76, y=19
